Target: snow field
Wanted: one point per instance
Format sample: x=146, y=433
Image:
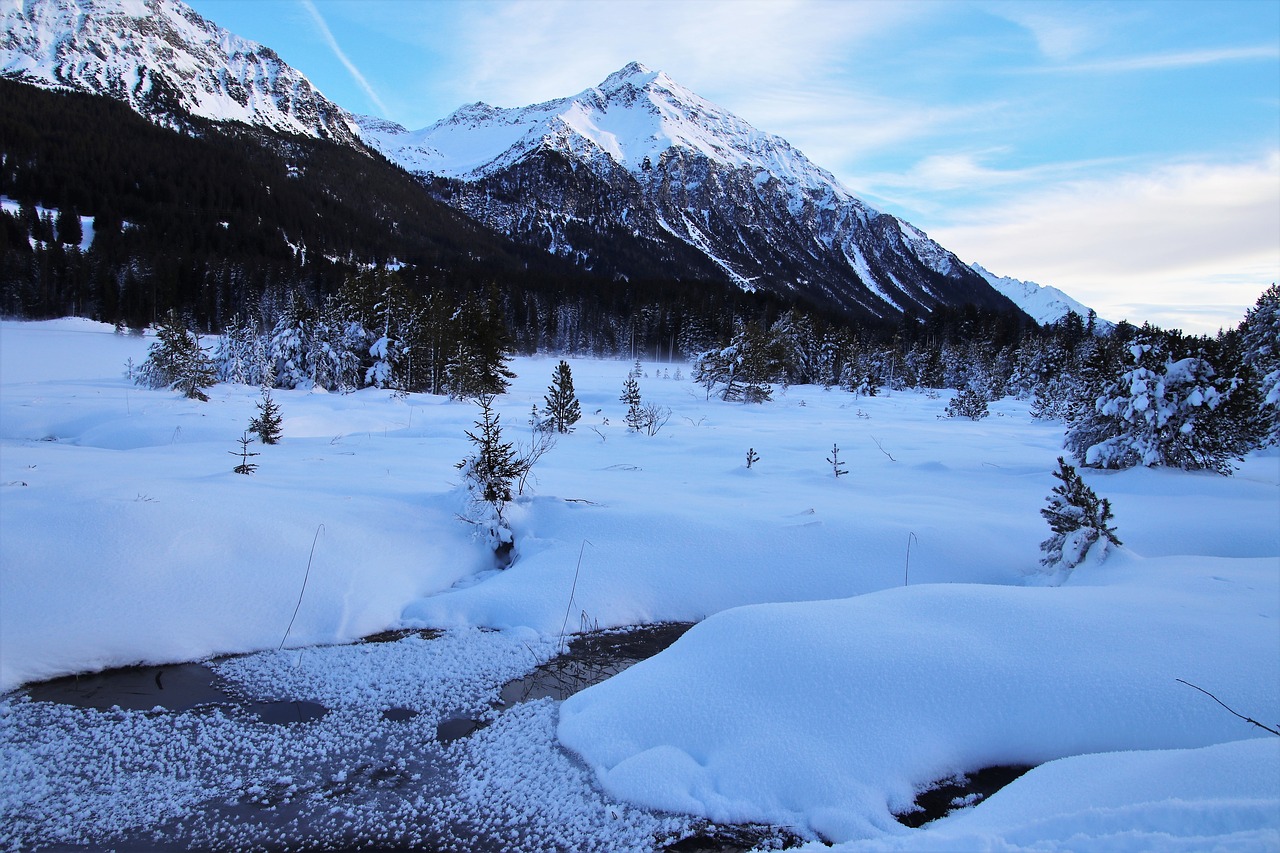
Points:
x=819, y=692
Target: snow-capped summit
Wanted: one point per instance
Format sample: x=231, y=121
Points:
x=1044, y=304
x=672, y=176
x=633, y=116
x=161, y=58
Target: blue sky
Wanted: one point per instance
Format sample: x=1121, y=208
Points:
x=1126, y=152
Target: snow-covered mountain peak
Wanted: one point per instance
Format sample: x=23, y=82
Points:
x=162, y=57
x=635, y=79
x=633, y=74
x=640, y=160
x=634, y=117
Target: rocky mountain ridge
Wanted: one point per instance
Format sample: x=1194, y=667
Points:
x=637, y=177
x=641, y=160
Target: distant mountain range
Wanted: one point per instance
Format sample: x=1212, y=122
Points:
x=635, y=178
x=1043, y=303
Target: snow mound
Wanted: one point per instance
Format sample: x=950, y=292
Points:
x=830, y=716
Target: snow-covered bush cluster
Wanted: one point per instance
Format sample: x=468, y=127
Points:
x=1159, y=411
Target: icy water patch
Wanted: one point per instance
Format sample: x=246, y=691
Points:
x=586, y=660
x=179, y=687
x=169, y=758
x=960, y=792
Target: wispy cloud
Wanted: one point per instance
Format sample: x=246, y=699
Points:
x=712, y=46
x=967, y=171
x=342, y=57
x=1059, y=30
x=1200, y=239
x=1165, y=61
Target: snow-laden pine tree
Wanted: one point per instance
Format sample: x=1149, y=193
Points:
x=390, y=350
x=744, y=370
x=335, y=350
x=1078, y=519
x=562, y=408
x=1261, y=331
x=240, y=356
x=177, y=360
x=288, y=348
x=1161, y=412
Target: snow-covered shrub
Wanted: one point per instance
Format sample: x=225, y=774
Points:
x=1078, y=519
x=1161, y=412
x=177, y=360
x=969, y=403
x=652, y=418
x=1052, y=399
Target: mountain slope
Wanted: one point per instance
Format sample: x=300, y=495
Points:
x=163, y=59
x=642, y=162
x=637, y=178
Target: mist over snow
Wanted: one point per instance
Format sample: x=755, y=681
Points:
x=860, y=637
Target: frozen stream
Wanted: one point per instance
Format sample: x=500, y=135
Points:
x=428, y=741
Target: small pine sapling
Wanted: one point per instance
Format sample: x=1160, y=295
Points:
x=752, y=457
x=834, y=461
x=268, y=423
x=562, y=410
x=635, y=410
x=1078, y=519
x=245, y=466
x=488, y=474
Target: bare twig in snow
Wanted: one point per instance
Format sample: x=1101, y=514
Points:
x=305, y=577
x=1229, y=708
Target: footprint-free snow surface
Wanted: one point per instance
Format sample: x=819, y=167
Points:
x=860, y=638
